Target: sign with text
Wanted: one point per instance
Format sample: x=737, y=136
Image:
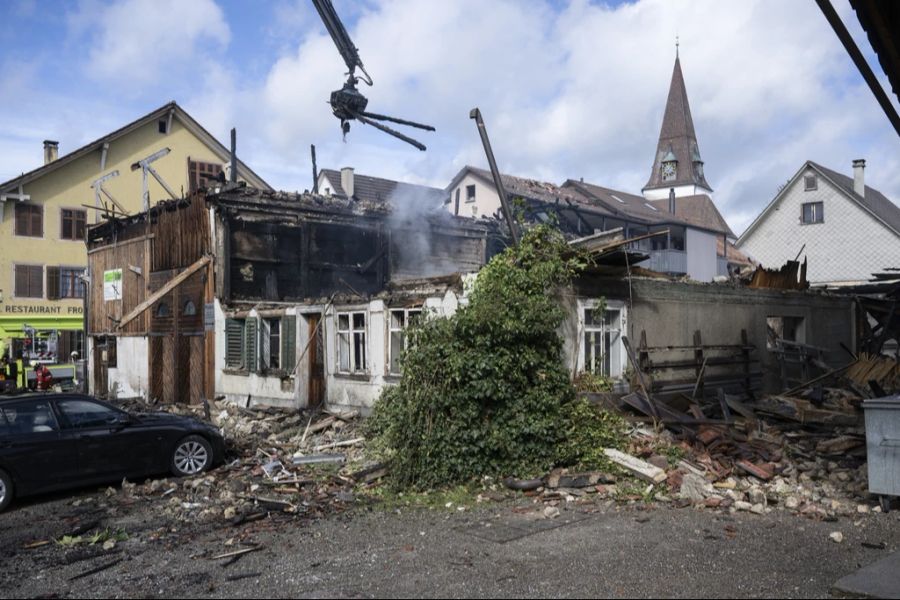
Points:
x=112, y=285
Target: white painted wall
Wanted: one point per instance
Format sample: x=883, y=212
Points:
x=487, y=202
x=847, y=248
x=131, y=377
x=701, y=254
x=680, y=191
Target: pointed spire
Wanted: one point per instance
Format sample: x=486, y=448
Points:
x=677, y=140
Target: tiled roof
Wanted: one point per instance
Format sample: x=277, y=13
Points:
x=533, y=189
x=874, y=201
x=378, y=190
x=699, y=210
x=186, y=119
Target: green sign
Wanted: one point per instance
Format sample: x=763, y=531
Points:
x=112, y=285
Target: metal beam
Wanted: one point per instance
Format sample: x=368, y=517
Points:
x=498, y=183
x=859, y=60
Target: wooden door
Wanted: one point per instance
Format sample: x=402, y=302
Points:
x=316, y=363
x=101, y=367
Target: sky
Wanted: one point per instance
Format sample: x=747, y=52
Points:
x=568, y=89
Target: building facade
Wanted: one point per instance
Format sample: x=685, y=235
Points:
x=846, y=229
x=44, y=215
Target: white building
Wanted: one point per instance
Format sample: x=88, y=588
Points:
x=846, y=229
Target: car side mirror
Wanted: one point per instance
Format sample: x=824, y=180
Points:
x=119, y=422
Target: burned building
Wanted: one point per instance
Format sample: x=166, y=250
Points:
x=281, y=298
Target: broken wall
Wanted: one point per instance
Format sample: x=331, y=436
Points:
x=670, y=312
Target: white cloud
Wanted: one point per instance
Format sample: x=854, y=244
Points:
x=142, y=42
x=571, y=91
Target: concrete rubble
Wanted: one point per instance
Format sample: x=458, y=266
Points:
x=274, y=467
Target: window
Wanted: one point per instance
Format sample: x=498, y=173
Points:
x=651, y=207
x=190, y=309
x=810, y=183
x=29, y=220
x=84, y=414
x=351, y=344
x=69, y=342
x=789, y=329
x=29, y=417
x=602, y=345
x=163, y=310
x=617, y=199
x=70, y=283
x=456, y=206
x=470, y=193
x=234, y=343
x=400, y=320
x=255, y=344
x=202, y=174
x=270, y=344
x=73, y=224
x=29, y=281
x=813, y=212
x=162, y=126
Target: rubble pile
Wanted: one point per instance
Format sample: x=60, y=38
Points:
x=805, y=455
x=279, y=462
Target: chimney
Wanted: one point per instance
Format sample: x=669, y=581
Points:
x=859, y=176
x=347, y=181
x=51, y=151
x=672, y=200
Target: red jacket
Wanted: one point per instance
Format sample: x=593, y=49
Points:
x=44, y=378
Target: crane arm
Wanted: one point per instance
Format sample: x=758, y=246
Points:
x=341, y=38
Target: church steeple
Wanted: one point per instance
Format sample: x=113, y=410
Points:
x=677, y=164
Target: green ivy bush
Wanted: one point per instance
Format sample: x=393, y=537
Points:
x=484, y=392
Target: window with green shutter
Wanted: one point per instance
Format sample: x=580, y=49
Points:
x=251, y=343
x=288, y=342
x=234, y=343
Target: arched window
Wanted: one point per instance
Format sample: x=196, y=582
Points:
x=163, y=310
x=189, y=309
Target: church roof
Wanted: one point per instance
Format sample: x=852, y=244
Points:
x=677, y=138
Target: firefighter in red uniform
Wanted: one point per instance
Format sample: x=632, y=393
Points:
x=43, y=378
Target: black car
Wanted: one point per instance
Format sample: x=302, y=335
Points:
x=55, y=441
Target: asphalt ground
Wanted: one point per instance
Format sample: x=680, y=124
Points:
x=505, y=549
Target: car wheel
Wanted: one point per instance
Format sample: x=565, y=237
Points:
x=6, y=490
x=192, y=455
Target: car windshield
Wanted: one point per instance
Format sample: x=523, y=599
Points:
x=84, y=413
x=27, y=417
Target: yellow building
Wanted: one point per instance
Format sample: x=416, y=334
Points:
x=44, y=214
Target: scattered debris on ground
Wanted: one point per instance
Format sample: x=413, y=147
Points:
x=280, y=462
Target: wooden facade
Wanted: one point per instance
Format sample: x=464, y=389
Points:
x=152, y=249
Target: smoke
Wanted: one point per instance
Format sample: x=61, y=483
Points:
x=415, y=250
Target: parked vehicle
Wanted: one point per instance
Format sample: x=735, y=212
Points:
x=56, y=441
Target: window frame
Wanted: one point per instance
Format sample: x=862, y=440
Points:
x=15, y=286
x=206, y=171
x=78, y=285
x=810, y=178
x=470, y=197
x=68, y=424
x=265, y=331
x=408, y=313
x=62, y=224
x=28, y=205
x=356, y=339
x=817, y=216
x=57, y=425
x=613, y=362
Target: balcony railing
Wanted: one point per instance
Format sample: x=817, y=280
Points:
x=667, y=261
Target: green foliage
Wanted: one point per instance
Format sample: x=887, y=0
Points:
x=590, y=431
x=587, y=381
x=484, y=392
x=98, y=537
